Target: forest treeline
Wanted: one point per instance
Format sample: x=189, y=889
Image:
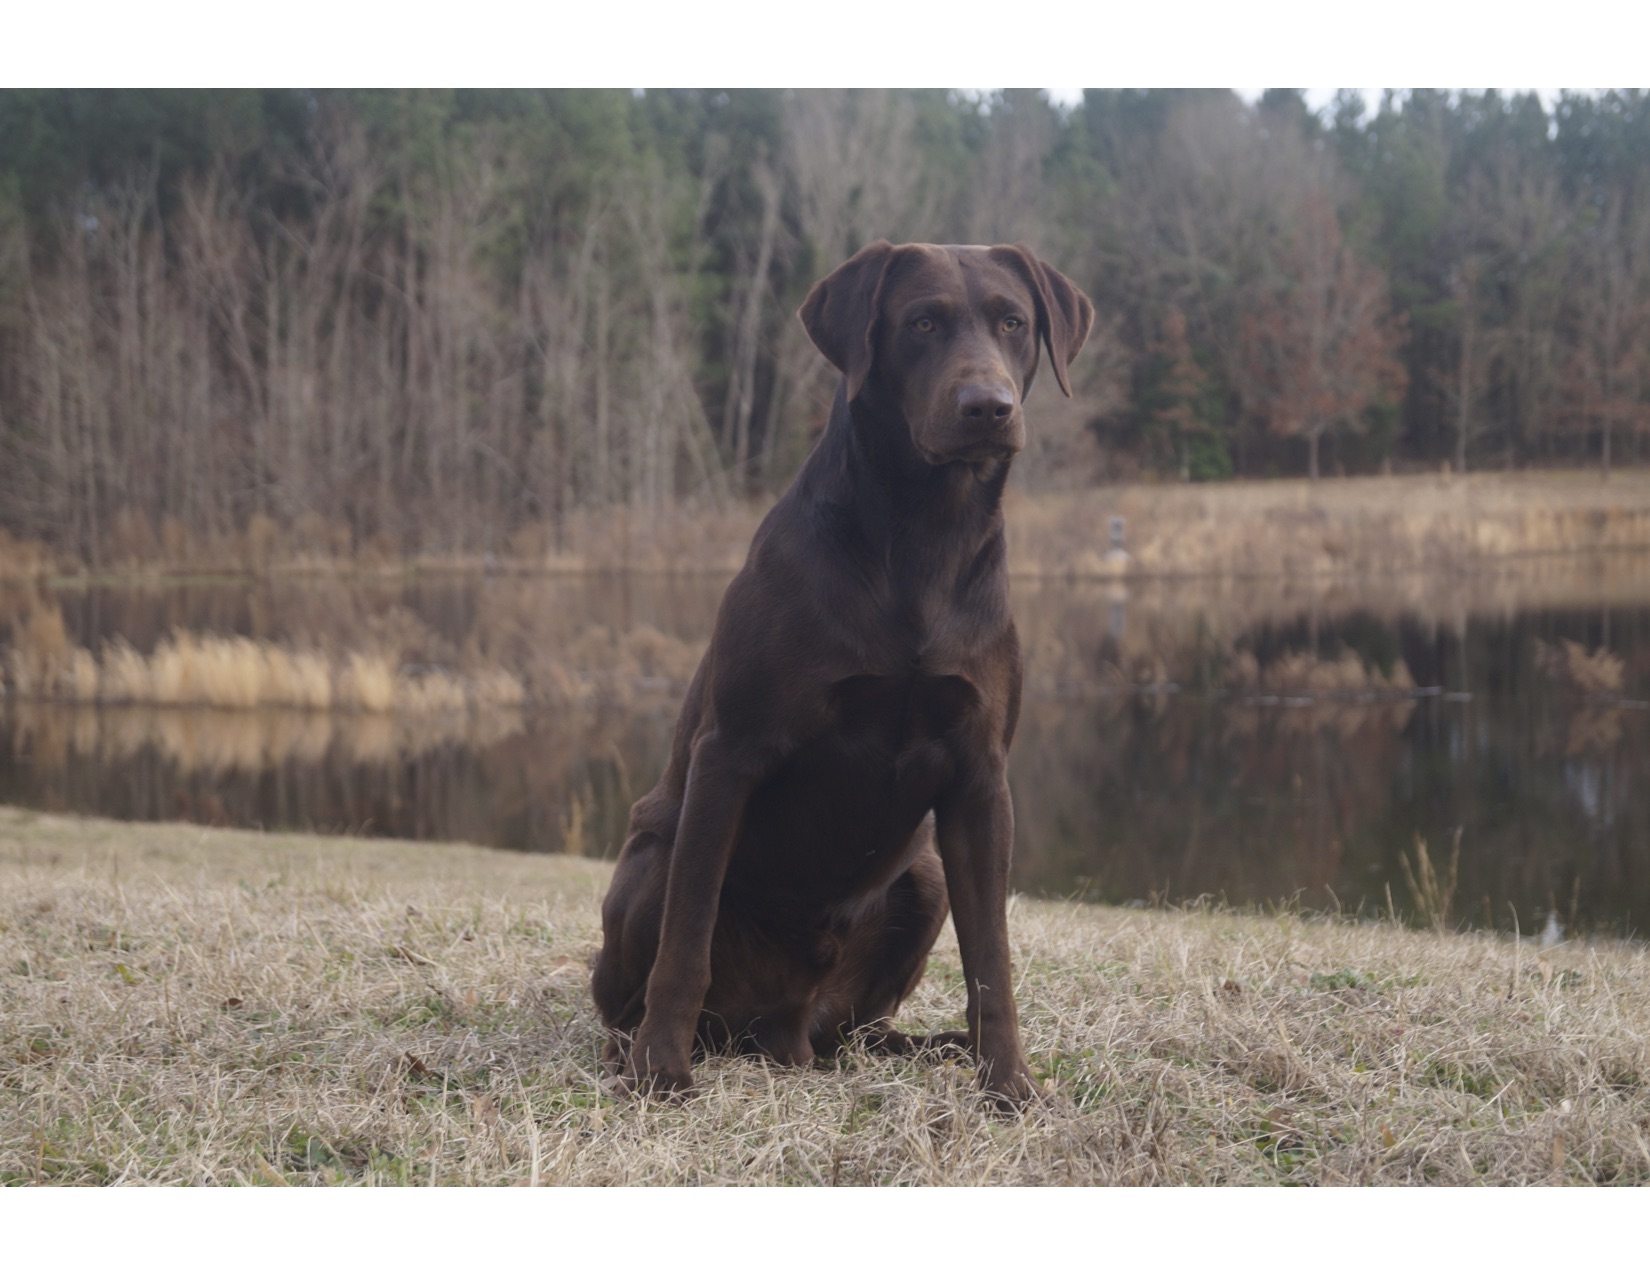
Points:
x=432, y=321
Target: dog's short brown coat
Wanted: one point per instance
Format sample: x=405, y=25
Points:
x=839, y=769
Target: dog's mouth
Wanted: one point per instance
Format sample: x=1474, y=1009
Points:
x=964, y=456
x=977, y=451
x=980, y=453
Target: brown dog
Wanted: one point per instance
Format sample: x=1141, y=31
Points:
x=780, y=887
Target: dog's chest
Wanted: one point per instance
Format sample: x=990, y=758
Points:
x=890, y=715
x=864, y=781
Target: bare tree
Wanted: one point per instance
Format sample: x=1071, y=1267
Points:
x=1007, y=192
x=1319, y=335
x=1610, y=347
x=856, y=172
x=1465, y=386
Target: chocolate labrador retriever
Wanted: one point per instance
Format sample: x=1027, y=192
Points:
x=840, y=768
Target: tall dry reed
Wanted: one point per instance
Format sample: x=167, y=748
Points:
x=204, y=670
x=192, y=670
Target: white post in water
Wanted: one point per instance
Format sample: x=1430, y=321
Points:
x=1117, y=562
x=1116, y=558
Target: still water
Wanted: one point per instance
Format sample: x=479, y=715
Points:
x=1251, y=741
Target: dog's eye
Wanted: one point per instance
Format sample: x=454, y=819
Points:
x=923, y=324
x=1013, y=324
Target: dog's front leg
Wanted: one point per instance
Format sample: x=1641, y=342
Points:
x=719, y=781
x=974, y=823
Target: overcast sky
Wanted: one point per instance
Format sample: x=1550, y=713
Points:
x=367, y=43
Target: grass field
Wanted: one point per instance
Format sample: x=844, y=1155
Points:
x=184, y=1005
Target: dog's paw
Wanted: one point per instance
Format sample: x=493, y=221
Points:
x=1013, y=1091
x=952, y=1044
x=672, y=1084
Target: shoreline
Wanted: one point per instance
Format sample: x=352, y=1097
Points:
x=1334, y=528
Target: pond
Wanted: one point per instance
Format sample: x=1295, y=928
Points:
x=1476, y=748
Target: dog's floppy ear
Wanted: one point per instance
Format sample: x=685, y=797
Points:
x=840, y=313
x=1064, y=313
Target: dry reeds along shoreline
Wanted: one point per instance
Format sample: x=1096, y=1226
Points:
x=190, y=670
x=205, y=1006
x=1247, y=548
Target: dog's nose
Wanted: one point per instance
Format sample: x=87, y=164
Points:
x=985, y=403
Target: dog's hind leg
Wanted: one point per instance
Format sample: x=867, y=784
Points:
x=630, y=934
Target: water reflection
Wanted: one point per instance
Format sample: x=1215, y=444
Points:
x=495, y=778
x=1252, y=741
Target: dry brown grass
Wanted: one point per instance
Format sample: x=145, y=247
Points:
x=1358, y=527
x=188, y=670
x=1289, y=528
x=1598, y=672
x=23, y=559
x=385, y=675
x=180, y=1005
x=212, y=742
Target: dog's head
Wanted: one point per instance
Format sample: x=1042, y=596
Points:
x=948, y=336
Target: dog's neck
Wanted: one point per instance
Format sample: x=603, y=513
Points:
x=871, y=485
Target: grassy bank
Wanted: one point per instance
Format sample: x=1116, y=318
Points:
x=1336, y=527
x=180, y=1005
